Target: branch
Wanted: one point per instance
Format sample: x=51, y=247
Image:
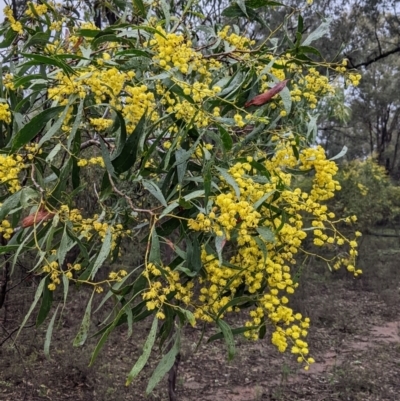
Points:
x=375, y=59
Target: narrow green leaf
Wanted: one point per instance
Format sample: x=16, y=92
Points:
x=219, y=246
x=63, y=247
x=148, y=346
x=228, y=336
x=36, y=298
x=9, y=204
x=66, y=287
x=226, y=138
x=230, y=180
x=286, y=99
x=340, y=154
x=165, y=364
x=242, y=6
x=261, y=3
x=165, y=9
x=85, y=325
x=30, y=130
x=47, y=300
x=234, y=302
x=127, y=158
x=140, y=7
x=104, y=252
x=263, y=247
x=266, y=234
x=155, y=191
x=106, y=334
x=321, y=31
x=263, y=199
x=155, y=253
x=49, y=333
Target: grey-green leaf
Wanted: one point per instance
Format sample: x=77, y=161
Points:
x=230, y=180
x=85, y=325
x=49, y=334
x=104, y=252
x=148, y=346
x=165, y=364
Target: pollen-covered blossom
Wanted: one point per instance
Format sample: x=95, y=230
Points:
x=15, y=25
x=40, y=9
x=10, y=167
x=5, y=114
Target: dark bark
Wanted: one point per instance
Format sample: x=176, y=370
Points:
x=173, y=373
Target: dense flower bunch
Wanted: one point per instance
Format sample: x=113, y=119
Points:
x=158, y=125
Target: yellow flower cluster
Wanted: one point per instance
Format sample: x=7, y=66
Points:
x=174, y=51
x=32, y=150
x=240, y=43
x=5, y=114
x=93, y=161
x=103, y=84
x=10, y=167
x=137, y=101
x=8, y=81
x=40, y=9
x=107, y=82
x=266, y=242
x=15, y=25
x=91, y=226
x=323, y=184
x=162, y=282
x=55, y=272
x=312, y=87
x=6, y=230
x=353, y=79
x=101, y=124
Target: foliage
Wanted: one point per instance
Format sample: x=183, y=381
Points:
x=153, y=105
x=368, y=192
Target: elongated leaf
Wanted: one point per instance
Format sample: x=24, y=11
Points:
x=321, y=31
x=340, y=154
x=63, y=248
x=140, y=7
x=38, y=294
x=155, y=191
x=127, y=158
x=165, y=364
x=48, y=60
x=230, y=180
x=234, y=302
x=175, y=204
x=226, y=138
x=106, y=334
x=228, y=336
x=49, y=333
x=66, y=287
x=47, y=300
x=263, y=199
x=104, y=252
x=85, y=325
x=139, y=365
x=9, y=204
x=30, y=130
x=266, y=234
x=155, y=253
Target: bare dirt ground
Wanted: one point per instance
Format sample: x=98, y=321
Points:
x=354, y=339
